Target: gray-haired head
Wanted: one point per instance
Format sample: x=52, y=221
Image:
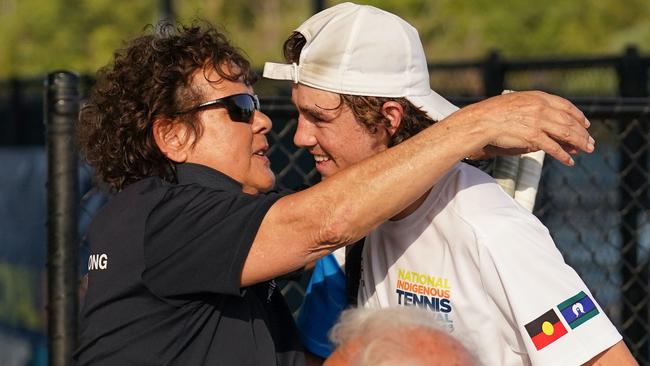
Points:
x=405, y=336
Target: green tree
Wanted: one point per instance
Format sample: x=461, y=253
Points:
x=37, y=36
x=257, y=27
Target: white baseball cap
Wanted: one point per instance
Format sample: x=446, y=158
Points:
x=361, y=50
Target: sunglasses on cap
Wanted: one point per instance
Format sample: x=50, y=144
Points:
x=240, y=107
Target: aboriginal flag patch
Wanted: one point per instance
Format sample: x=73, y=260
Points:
x=578, y=309
x=545, y=329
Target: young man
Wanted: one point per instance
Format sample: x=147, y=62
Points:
x=186, y=251
x=464, y=250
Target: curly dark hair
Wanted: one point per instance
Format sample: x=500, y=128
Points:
x=151, y=79
x=367, y=109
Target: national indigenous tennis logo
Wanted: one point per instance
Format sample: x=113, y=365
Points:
x=426, y=291
x=545, y=330
x=578, y=309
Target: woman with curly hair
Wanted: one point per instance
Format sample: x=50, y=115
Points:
x=183, y=256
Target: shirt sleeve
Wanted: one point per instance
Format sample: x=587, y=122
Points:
x=325, y=299
x=558, y=319
x=196, y=240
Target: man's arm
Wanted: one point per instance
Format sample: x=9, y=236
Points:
x=307, y=225
x=616, y=355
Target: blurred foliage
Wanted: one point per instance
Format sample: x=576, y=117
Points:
x=20, y=304
x=453, y=29
x=259, y=27
x=37, y=36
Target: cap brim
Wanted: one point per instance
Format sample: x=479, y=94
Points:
x=278, y=71
x=434, y=105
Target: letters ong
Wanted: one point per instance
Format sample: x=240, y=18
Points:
x=97, y=261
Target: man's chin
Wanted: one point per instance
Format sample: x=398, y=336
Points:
x=324, y=174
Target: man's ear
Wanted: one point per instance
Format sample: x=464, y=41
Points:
x=173, y=139
x=394, y=112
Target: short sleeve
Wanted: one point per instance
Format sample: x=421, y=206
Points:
x=325, y=299
x=558, y=319
x=196, y=240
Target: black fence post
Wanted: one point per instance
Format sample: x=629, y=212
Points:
x=318, y=5
x=633, y=192
x=15, y=110
x=493, y=74
x=61, y=113
x=167, y=11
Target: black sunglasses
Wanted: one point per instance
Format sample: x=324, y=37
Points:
x=240, y=107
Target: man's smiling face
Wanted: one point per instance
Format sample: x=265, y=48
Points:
x=328, y=130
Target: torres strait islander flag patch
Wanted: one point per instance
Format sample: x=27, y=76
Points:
x=578, y=309
x=545, y=330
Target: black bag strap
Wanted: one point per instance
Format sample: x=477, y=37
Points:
x=353, y=271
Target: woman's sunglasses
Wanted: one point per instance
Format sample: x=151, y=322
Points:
x=240, y=107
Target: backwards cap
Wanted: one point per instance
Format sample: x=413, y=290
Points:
x=361, y=50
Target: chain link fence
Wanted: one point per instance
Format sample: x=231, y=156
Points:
x=597, y=214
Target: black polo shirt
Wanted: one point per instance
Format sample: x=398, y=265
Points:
x=164, y=274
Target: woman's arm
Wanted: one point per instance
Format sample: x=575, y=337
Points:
x=307, y=225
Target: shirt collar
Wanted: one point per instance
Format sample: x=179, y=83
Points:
x=189, y=173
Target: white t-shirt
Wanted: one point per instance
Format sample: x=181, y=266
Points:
x=489, y=270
